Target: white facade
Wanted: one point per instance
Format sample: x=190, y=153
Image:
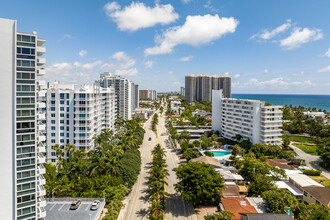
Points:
x=176, y=107
x=315, y=115
x=251, y=119
x=21, y=191
x=126, y=99
x=77, y=114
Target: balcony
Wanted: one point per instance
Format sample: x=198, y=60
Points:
x=41, y=158
x=41, y=61
x=41, y=149
x=41, y=116
x=41, y=72
x=41, y=105
x=41, y=137
x=41, y=212
x=41, y=51
x=41, y=127
x=41, y=190
x=41, y=169
x=40, y=42
x=41, y=180
x=41, y=202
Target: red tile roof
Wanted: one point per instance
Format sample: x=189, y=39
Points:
x=237, y=205
x=280, y=163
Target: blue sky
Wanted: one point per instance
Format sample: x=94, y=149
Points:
x=267, y=46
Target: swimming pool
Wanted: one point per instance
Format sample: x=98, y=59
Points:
x=220, y=153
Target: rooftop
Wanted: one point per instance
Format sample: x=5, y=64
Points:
x=237, y=205
x=289, y=186
x=257, y=203
x=231, y=191
x=208, y=160
x=303, y=180
x=60, y=209
x=322, y=194
x=280, y=163
x=263, y=216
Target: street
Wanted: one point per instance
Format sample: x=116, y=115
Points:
x=136, y=204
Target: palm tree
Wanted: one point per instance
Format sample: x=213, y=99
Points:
x=70, y=149
x=58, y=151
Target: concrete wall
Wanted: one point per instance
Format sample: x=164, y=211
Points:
x=7, y=117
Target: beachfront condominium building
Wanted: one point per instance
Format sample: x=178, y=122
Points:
x=252, y=119
x=21, y=158
x=199, y=87
x=77, y=114
x=126, y=99
x=147, y=94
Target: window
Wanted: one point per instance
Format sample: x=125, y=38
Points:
x=52, y=115
x=53, y=160
x=67, y=109
x=67, y=103
x=67, y=135
x=62, y=102
x=67, y=115
x=62, y=134
x=305, y=193
x=52, y=108
x=53, y=121
x=62, y=140
x=62, y=128
x=53, y=134
x=53, y=154
x=62, y=96
x=62, y=115
x=62, y=121
x=67, y=128
x=61, y=108
x=67, y=96
x=52, y=95
x=53, y=141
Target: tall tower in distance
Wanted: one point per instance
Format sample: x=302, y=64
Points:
x=199, y=87
x=21, y=185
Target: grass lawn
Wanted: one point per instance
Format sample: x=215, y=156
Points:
x=307, y=149
x=322, y=180
x=303, y=139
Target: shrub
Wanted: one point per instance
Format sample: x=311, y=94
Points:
x=312, y=172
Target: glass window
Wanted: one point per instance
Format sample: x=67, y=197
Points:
x=53, y=128
x=52, y=108
x=53, y=121
x=52, y=115
x=53, y=141
x=53, y=134
x=62, y=134
x=62, y=96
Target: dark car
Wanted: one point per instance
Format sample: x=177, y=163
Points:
x=95, y=205
x=75, y=205
x=149, y=139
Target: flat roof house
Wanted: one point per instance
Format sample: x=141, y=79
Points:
x=318, y=195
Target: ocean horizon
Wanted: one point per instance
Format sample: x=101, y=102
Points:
x=317, y=101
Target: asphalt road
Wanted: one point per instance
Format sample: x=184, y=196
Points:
x=175, y=207
x=136, y=203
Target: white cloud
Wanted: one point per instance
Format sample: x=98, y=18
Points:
x=226, y=74
x=196, y=31
x=266, y=70
x=176, y=83
x=66, y=36
x=72, y=72
x=327, y=54
x=186, y=59
x=325, y=69
x=185, y=1
x=209, y=6
x=269, y=34
x=171, y=72
x=276, y=83
x=82, y=53
x=300, y=36
x=123, y=65
x=137, y=15
x=148, y=64
x=298, y=74
x=236, y=76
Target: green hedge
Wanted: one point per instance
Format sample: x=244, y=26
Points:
x=312, y=172
x=130, y=165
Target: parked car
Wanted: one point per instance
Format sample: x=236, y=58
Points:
x=149, y=139
x=75, y=205
x=95, y=205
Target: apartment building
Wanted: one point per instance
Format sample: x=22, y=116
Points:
x=147, y=94
x=77, y=114
x=252, y=119
x=21, y=158
x=125, y=91
x=182, y=91
x=199, y=87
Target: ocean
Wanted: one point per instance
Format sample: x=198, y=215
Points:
x=317, y=101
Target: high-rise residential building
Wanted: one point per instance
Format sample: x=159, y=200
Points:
x=21, y=158
x=147, y=94
x=77, y=114
x=199, y=87
x=252, y=119
x=136, y=98
x=182, y=91
x=125, y=98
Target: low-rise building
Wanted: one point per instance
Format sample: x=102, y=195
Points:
x=237, y=206
x=252, y=119
x=279, y=163
x=318, y=195
x=315, y=115
x=268, y=216
x=231, y=191
x=301, y=181
x=290, y=187
x=208, y=160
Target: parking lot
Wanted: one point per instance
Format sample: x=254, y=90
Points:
x=61, y=210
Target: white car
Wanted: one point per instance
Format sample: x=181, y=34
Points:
x=95, y=205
